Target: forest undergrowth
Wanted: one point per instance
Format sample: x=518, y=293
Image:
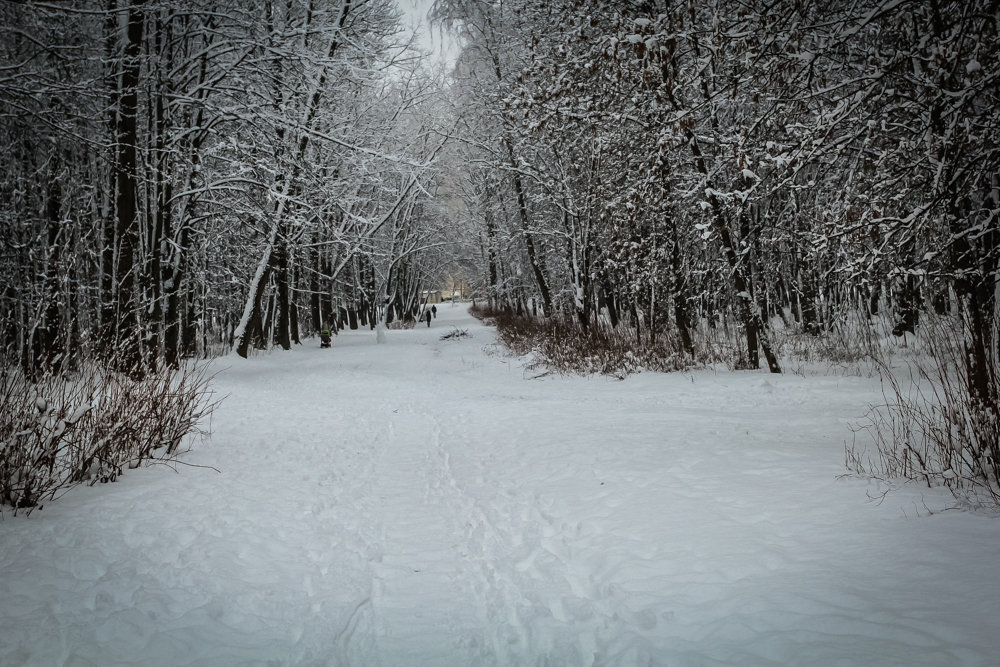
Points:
x=562, y=347
x=62, y=429
x=936, y=427
x=850, y=345
x=932, y=428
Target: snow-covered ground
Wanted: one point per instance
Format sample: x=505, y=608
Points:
x=424, y=502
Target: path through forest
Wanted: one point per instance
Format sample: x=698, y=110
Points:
x=429, y=502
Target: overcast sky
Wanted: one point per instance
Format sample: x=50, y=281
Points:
x=415, y=13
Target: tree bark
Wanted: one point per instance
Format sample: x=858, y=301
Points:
x=316, y=317
x=249, y=330
x=126, y=353
x=49, y=343
x=529, y=241
x=681, y=317
x=283, y=321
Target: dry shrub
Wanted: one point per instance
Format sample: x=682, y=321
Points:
x=563, y=347
x=57, y=431
x=933, y=429
x=852, y=341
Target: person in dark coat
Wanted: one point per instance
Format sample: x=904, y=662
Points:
x=434, y=311
x=427, y=316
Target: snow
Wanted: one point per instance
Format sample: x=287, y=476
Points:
x=429, y=502
x=78, y=413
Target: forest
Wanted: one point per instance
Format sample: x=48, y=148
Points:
x=664, y=183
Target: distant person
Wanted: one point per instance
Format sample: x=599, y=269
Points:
x=427, y=316
x=434, y=311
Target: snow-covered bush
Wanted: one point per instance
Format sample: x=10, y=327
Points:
x=57, y=431
x=938, y=429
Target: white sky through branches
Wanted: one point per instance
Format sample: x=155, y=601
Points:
x=438, y=42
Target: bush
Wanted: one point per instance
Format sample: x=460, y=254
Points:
x=58, y=431
x=852, y=341
x=563, y=347
x=934, y=430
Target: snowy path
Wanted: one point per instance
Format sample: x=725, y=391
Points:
x=424, y=503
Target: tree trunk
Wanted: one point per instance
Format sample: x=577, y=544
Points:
x=189, y=327
x=529, y=241
x=611, y=303
x=491, y=255
x=175, y=270
x=283, y=321
x=175, y=284
x=127, y=355
x=108, y=238
x=681, y=317
x=908, y=305
x=977, y=260
x=873, y=299
x=50, y=343
x=317, y=315
x=807, y=296
x=248, y=331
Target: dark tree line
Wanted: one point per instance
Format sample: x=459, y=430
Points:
x=183, y=177
x=671, y=166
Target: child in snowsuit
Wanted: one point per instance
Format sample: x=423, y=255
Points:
x=324, y=335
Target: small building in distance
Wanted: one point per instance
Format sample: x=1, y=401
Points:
x=453, y=289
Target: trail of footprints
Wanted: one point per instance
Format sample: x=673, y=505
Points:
x=540, y=585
